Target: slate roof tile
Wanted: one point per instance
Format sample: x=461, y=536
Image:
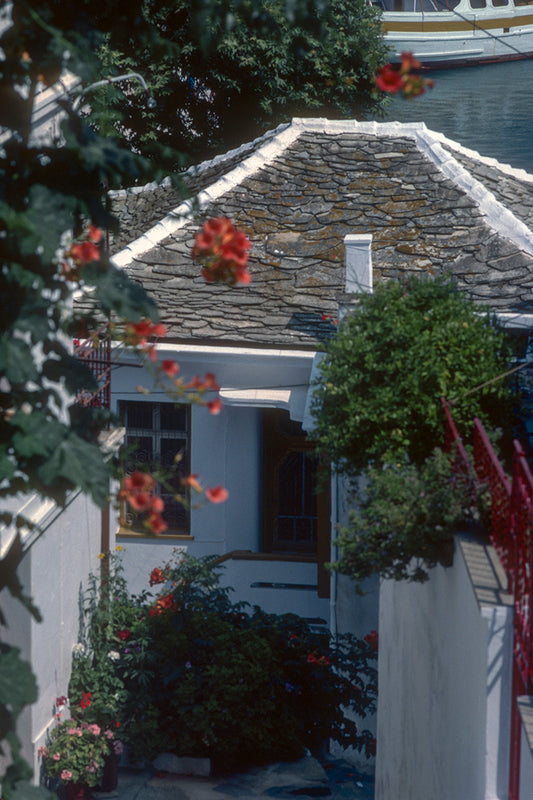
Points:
x=431, y=206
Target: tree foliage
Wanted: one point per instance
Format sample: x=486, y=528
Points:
x=379, y=419
x=405, y=519
x=249, y=66
x=378, y=397
x=50, y=190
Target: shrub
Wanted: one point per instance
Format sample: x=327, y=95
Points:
x=241, y=686
x=405, y=520
x=378, y=397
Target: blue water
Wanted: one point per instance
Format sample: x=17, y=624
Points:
x=487, y=108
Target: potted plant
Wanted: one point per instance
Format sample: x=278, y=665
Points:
x=76, y=753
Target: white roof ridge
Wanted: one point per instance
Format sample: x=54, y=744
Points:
x=273, y=143
x=497, y=215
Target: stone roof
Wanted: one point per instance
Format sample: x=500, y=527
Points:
x=431, y=206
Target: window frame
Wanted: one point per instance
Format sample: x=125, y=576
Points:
x=157, y=434
x=277, y=444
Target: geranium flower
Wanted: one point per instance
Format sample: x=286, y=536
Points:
x=157, y=576
x=158, y=504
x=66, y=775
x=124, y=635
x=217, y=494
x=86, y=700
x=372, y=639
x=94, y=729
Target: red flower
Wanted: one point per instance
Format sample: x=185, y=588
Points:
x=217, y=494
x=84, y=252
x=61, y=701
x=158, y=505
x=140, y=501
x=372, y=639
x=157, y=576
x=156, y=523
x=403, y=77
x=124, y=635
x=191, y=480
x=138, y=333
x=210, y=382
x=166, y=602
x=86, y=700
x=95, y=234
x=170, y=367
x=139, y=482
x=223, y=251
x=388, y=79
x=215, y=406
x=409, y=62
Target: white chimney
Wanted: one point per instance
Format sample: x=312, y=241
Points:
x=358, y=263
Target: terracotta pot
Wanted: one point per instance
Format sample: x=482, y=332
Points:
x=77, y=791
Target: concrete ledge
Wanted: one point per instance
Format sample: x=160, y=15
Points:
x=486, y=572
x=525, y=707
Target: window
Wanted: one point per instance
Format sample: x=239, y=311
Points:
x=157, y=437
x=296, y=517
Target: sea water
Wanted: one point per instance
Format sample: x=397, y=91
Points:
x=486, y=108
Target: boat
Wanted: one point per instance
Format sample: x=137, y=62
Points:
x=450, y=33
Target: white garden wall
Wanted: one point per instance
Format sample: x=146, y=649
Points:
x=54, y=573
x=445, y=682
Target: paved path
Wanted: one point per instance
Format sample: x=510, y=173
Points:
x=334, y=779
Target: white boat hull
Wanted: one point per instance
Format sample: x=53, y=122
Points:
x=447, y=38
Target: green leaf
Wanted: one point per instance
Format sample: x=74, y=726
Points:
x=74, y=372
x=16, y=360
x=118, y=293
x=82, y=464
x=18, y=687
x=36, y=435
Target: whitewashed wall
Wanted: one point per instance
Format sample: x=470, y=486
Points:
x=526, y=748
x=445, y=683
x=54, y=573
x=226, y=449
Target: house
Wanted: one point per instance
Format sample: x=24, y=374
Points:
x=427, y=205
x=330, y=209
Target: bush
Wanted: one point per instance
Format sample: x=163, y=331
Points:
x=405, y=520
x=378, y=398
x=243, y=687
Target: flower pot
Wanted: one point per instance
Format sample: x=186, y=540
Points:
x=110, y=774
x=77, y=791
